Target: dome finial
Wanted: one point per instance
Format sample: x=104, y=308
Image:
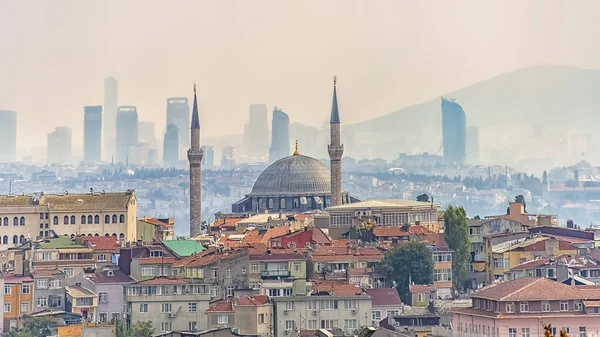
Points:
x=296, y=153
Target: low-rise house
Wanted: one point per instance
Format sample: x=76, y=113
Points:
x=49, y=289
x=359, y=265
x=307, y=237
x=417, y=324
x=523, y=306
x=251, y=314
x=329, y=305
x=82, y=301
x=18, y=299
x=420, y=295
x=105, y=249
x=384, y=302
x=582, y=240
x=151, y=229
x=393, y=234
x=144, y=262
x=273, y=270
x=171, y=304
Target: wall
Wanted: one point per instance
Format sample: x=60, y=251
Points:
x=247, y=318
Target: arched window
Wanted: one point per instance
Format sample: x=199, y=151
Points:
x=90, y=220
x=5, y=240
x=5, y=221
x=15, y=221
x=90, y=234
x=270, y=203
x=296, y=203
x=282, y=203
x=22, y=239
x=121, y=236
x=83, y=219
x=72, y=219
x=15, y=240
x=55, y=220
x=114, y=218
x=121, y=218
x=22, y=221
x=114, y=234
x=66, y=220
x=107, y=219
x=96, y=219
x=107, y=235
x=96, y=234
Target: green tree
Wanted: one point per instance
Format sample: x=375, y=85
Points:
x=35, y=326
x=120, y=330
x=456, y=229
x=521, y=199
x=142, y=329
x=408, y=261
x=423, y=197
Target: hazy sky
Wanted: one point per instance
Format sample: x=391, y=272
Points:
x=55, y=54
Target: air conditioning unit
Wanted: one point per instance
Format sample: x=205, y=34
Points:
x=171, y=315
x=285, y=312
x=354, y=311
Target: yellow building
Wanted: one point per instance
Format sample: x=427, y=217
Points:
x=83, y=301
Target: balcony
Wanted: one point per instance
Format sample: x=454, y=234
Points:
x=275, y=273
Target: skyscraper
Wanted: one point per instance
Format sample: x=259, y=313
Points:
x=228, y=158
x=178, y=114
x=146, y=134
x=454, y=132
x=127, y=132
x=335, y=149
x=208, y=157
x=472, y=145
x=280, y=135
x=111, y=102
x=92, y=134
x=171, y=146
x=195, y=158
x=8, y=136
x=59, y=146
x=256, y=132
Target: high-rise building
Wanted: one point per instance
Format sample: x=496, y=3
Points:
x=146, y=134
x=280, y=135
x=335, y=149
x=195, y=158
x=256, y=132
x=309, y=138
x=228, y=158
x=472, y=145
x=178, y=114
x=127, y=132
x=111, y=103
x=8, y=136
x=171, y=147
x=454, y=132
x=59, y=146
x=208, y=158
x=92, y=134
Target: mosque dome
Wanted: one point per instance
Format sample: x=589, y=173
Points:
x=296, y=175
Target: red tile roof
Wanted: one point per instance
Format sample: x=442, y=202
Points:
x=324, y=254
x=340, y=242
x=275, y=232
x=389, y=232
x=531, y=264
x=221, y=306
x=421, y=288
x=102, y=242
x=591, y=303
x=45, y=272
x=163, y=281
x=335, y=288
x=255, y=300
x=207, y=257
x=155, y=222
x=320, y=237
x=419, y=230
x=226, y=222
x=384, y=297
x=536, y=289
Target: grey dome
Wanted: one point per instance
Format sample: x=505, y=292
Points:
x=295, y=175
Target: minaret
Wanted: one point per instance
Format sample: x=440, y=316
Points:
x=195, y=157
x=335, y=149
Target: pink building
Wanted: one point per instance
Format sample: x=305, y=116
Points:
x=522, y=307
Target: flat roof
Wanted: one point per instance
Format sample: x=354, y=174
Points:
x=385, y=204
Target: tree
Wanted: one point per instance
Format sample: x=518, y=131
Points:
x=456, y=229
x=521, y=199
x=142, y=329
x=408, y=261
x=35, y=326
x=423, y=198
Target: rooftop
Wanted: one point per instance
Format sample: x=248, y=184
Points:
x=61, y=242
x=183, y=248
x=421, y=288
x=78, y=291
x=335, y=288
x=384, y=297
x=536, y=289
x=87, y=201
x=385, y=204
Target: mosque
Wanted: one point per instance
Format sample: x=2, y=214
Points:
x=300, y=183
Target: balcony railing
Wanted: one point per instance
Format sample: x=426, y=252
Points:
x=275, y=273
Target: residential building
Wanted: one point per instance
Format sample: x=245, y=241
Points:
x=559, y=268
x=178, y=114
x=59, y=146
x=48, y=289
x=8, y=136
x=280, y=136
x=105, y=249
x=524, y=306
x=420, y=295
x=93, y=214
x=171, y=147
x=583, y=240
x=249, y=314
x=82, y=301
x=454, y=132
x=357, y=265
x=2, y=302
x=109, y=283
x=171, y=304
x=111, y=102
x=150, y=229
x=274, y=270
x=384, y=302
x=86, y=330
x=219, y=332
x=442, y=271
x=419, y=323
x=92, y=134
x=127, y=132
x=146, y=262
x=224, y=271
x=18, y=299
x=329, y=305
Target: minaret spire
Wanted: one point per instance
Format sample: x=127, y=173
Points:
x=335, y=149
x=195, y=118
x=195, y=158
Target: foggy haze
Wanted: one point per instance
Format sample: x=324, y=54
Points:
x=387, y=54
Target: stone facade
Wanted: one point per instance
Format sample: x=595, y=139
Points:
x=195, y=158
x=335, y=149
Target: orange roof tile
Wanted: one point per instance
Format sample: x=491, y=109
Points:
x=421, y=288
x=226, y=222
x=252, y=236
x=102, y=242
x=340, y=242
x=155, y=222
x=254, y=300
x=389, y=232
x=336, y=288
x=221, y=306
x=536, y=289
x=419, y=230
x=275, y=232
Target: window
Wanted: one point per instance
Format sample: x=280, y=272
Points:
x=192, y=326
x=376, y=315
x=103, y=317
x=86, y=301
x=512, y=332
x=289, y=325
x=143, y=307
x=42, y=302
x=327, y=324
x=282, y=203
x=5, y=221
x=578, y=305
x=83, y=219
x=15, y=221
x=166, y=327
x=72, y=219
x=115, y=316
x=5, y=240
x=22, y=220
x=89, y=219
x=121, y=218
x=26, y=289
x=564, y=306
x=214, y=273
x=510, y=307
x=525, y=332
x=261, y=318
x=420, y=298
x=312, y=305
x=15, y=240
x=114, y=218
x=6, y=307
x=6, y=290
x=289, y=305
x=25, y=307
x=312, y=324
x=101, y=257
x=107, y=219
x=192, y=307
x=147, y=271
x=41, y=216
x=254, y=267
x=228, y=273
x=165, y=308
x=545, y=306
x=350, y=304
x=230, y=290
x=156, y=253
x=103, y=297
x=392, y=312
x=96, y=219
x=243, y=270
x=55, y=220
x=286, y=292
x=442, y=275
x=68, y=272
x=296, y=266
x=42, y=283
x=349, y=324
x=328, y=305
x=65, y=220
x=501, y=263
x=222, y=319
x=214, y=291
x=524, y=307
